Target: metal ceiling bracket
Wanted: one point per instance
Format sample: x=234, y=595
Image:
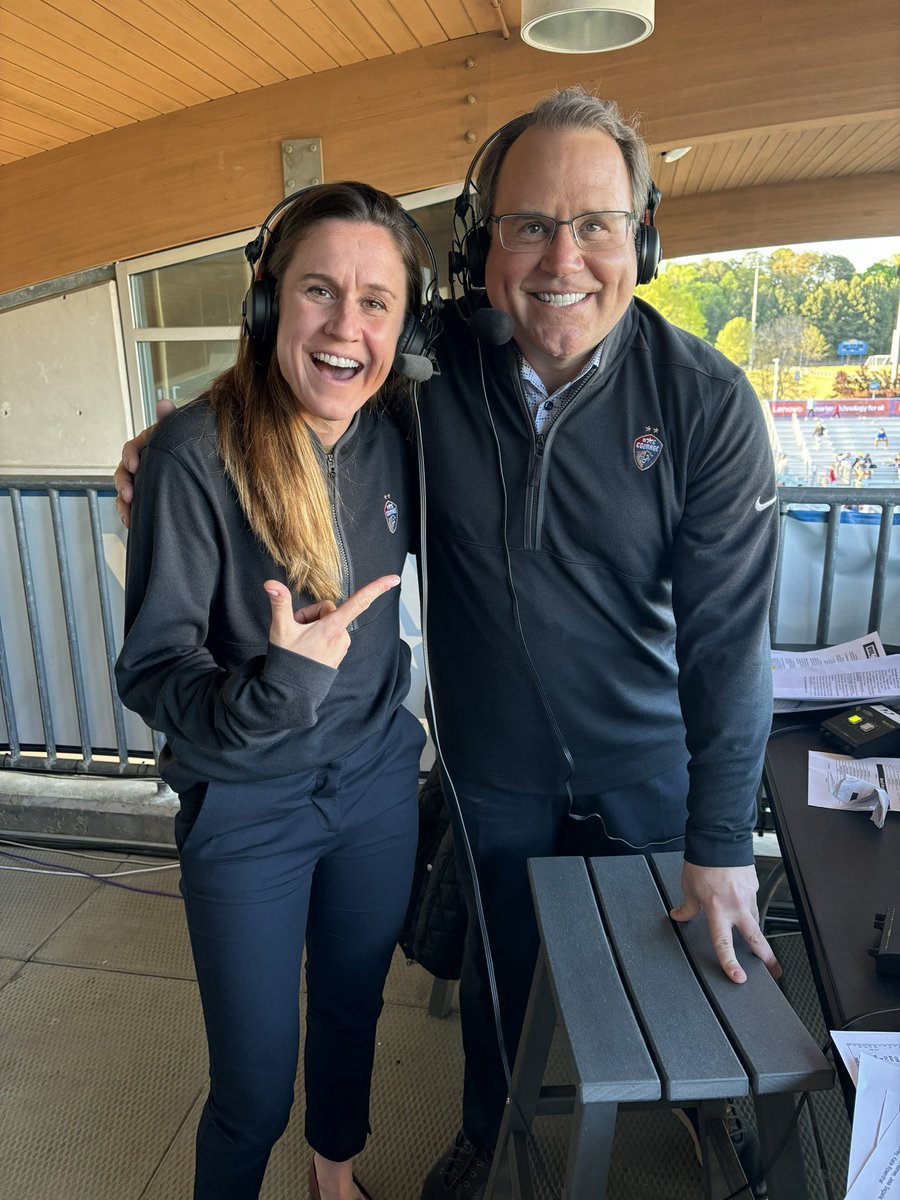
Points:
x=301, y=163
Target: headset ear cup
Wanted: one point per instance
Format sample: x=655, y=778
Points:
x=475, y=248
x=413, y=336
x=647, y=250
x=260, y=316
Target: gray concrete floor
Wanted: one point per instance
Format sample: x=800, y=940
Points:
x=103, y=1068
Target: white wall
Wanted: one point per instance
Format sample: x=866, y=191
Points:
x=64, y=405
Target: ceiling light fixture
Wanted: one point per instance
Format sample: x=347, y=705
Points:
x=585, y=26
x=671, y=156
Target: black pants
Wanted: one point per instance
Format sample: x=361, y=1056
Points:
x=504, y=830
x=326, y=855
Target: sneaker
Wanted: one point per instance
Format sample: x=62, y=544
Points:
x=743, y=1138
x=747, y=1148
x=461, y=1174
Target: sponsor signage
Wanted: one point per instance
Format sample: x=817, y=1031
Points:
x=863, y=408
x=837, y=408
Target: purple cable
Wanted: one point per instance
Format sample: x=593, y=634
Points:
x=89, y=875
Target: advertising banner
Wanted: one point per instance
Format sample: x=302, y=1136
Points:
x=886, y=407
x=787, y=408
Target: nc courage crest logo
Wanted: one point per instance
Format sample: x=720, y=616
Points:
x=647, y=448
x=391, y=514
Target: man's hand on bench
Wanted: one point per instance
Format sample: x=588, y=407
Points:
x=727, y=895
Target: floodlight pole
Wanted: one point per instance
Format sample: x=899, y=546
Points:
x=895, y=342
x=754, y=260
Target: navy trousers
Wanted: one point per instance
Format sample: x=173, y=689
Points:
x=504, y=830
x=325, y=856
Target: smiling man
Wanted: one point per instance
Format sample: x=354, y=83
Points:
x=600, y=546
x=564, y=287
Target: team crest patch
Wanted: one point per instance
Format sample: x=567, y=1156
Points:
x=647, y=449
x=391, y=514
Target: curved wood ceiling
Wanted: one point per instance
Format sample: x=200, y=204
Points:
x=792, y=108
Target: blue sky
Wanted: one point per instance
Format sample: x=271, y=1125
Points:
x=862, y=252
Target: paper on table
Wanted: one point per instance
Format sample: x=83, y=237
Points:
x=878, y=679
x=880, y=1177
x=850, y=1044
x=877, y=1104
x=825, y=771
x=860, y=650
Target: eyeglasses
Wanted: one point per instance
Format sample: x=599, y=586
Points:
x=524, y=233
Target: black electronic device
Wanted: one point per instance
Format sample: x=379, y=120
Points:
x=867, y=731
x=887, y=952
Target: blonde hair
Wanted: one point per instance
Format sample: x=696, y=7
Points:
x=265, y=444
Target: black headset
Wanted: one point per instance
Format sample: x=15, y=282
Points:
x=471, y=239
x=260, y=307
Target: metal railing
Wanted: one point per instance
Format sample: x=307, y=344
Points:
x=64, y=551
x=62, y=611
x=834, y=502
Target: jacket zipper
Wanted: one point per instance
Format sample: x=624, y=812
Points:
x=343, y=558
x=540, y=446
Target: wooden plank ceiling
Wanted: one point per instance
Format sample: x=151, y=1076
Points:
x=768, y=94
x=72, y=69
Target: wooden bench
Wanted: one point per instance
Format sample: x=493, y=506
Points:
x=649, y=1019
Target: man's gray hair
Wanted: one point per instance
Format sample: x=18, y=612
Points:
x=570, y=108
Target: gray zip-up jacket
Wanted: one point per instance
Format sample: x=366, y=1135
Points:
x=196, y=663
x=612, y=576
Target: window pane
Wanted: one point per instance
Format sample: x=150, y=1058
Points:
x=180, y=371
x=201, y=291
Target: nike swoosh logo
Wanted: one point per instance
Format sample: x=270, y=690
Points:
x=762, y=505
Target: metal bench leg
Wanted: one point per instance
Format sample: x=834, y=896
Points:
x=786, y=1178
x=441, y=998
x=590, y=1151
x=722, y=1172
x=512, y=1178
x=767, y=891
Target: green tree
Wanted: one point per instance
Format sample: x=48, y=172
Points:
x=863, y=307
x=790, y=279
x=888, y=270
x=821, y=290
x=734, y=340
x=813, y=347
x=672, y=294
x=833, y=267
x=876, y=294
x=829, y=309
x=790, y=338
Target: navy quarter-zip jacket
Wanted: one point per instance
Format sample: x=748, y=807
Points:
x=196, y=663
x=612, y=577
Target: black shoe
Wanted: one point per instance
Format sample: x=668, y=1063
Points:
x=746, y=1147
x=461, y=1174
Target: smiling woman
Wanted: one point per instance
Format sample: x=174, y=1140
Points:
x=259, y=510
x=341, y=303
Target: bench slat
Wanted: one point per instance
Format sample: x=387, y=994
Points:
x=607, y=1046
x=772, y=1042
x=694, y=1057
